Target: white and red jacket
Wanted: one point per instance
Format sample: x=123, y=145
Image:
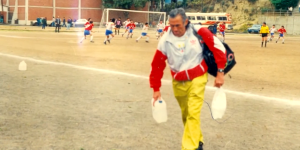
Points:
x=185, y=60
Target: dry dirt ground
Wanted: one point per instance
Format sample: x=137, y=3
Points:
x=93, y=96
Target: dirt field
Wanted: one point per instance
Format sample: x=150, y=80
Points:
x=93, y=96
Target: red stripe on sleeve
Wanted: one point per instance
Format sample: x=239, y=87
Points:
x=158, y=65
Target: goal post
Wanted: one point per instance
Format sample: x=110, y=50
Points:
x=138, y=17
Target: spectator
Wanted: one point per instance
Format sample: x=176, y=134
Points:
x=299, y=8
x=53, y=22
x=2, y=19
x=57, y=22
x=44, y=23
x=64, y=22
x=69, y=23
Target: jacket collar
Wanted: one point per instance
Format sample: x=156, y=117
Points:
x=171, y=37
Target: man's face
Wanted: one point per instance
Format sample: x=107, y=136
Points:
x=264, y=25
x=273, y=26
x=177, y=26
x=160, y=22
x=128, y=20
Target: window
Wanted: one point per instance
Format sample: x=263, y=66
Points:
x=211, y=18
x=192, y=18
x=223, y=18
x=200, y=18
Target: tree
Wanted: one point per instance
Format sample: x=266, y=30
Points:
x=125, y=4
x=284, y=4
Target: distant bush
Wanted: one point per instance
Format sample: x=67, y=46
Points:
x=205, y=8
x=246, y=11
x=252, y=1
x=211, y=8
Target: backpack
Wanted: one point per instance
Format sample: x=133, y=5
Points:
x=211, y=29
x=210, y=59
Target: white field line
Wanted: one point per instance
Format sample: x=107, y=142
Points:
x=254, y=96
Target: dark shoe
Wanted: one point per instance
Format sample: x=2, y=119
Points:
x=200, y=146
x=108, y=41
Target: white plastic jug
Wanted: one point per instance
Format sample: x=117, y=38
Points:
x=159, y=110
x=219, y=103
x=23, y=66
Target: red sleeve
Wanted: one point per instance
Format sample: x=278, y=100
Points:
x=157, y=70
x=215, y=46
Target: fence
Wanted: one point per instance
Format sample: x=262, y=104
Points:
x=290, y=20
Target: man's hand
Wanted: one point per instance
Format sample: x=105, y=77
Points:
x=219, y=81
x=156, y=96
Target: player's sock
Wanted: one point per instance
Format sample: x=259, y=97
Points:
x=110, y=38
x=92, y=38
x=147, y=39
x=105, y=39
x=139, y=38
x=265, y=43
x=81, y=39
x=262, y=43
x=118, y=32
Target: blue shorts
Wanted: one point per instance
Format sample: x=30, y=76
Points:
x=272, y=34
x=87, y=32
x=144, y=34
x=108, y=32
x=160, y=31
x=223, y=33
x=280, y=35
x=130, y=30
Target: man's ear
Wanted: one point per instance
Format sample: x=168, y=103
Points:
x=186, y=22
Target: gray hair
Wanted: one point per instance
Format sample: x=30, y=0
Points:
x=178, y=11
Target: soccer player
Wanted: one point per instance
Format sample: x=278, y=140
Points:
x=272, y=31
x=87, y=31
x=144, y=33
x=125, y=24
x=222, y=28
x=131, y=27
x=281, y=32
x=160, y=28
x=118, y=24
x=264, y=31
x=109, y=27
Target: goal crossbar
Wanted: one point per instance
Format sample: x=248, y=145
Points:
x=106, y=13
x=152, y=12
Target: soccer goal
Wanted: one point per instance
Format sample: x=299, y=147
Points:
x=138, y=17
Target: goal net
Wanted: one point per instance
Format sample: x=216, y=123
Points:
x=138, y=17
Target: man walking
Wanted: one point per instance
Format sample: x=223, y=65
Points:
x=57, y=22
x=182, y=49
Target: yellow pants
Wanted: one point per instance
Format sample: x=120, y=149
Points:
x=190, y=96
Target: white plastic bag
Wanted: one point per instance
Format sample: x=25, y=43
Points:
x=219, y=103
x=159, y=110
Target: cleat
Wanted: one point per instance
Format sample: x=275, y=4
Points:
x=92, y=41
x=108, y=41
x=147, y=41
x=136, y=40
x=105, y=43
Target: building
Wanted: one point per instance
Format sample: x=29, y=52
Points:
x=27, y=11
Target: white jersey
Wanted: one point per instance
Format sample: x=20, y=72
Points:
x=126, y=23
x=145, y=29
x=109, y=26
x=272, y=30
x=161, y=26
